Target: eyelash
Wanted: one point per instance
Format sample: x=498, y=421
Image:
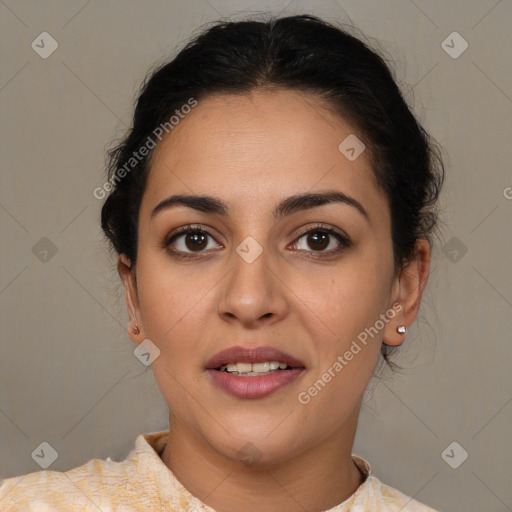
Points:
x=343, y=240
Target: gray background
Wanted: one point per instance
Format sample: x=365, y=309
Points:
x=68, y=375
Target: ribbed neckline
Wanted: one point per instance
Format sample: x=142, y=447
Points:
x=154, y=443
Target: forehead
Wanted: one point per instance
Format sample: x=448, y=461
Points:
x=260, y=145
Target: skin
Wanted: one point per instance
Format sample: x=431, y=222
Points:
x=252, y=151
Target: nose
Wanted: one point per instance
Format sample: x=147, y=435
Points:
x=252, y=294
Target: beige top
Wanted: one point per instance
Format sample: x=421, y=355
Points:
x=142, y=483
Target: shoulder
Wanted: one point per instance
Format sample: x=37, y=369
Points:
x=376, y=496
x=391, y=499
x=88, y=487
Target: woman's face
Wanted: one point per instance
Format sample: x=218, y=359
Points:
x=256, y=278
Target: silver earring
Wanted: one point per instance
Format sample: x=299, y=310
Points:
x=136, y=329
x=401, y=329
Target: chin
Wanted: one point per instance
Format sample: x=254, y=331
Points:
x=256, y=447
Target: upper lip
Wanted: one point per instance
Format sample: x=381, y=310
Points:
x=239, y=354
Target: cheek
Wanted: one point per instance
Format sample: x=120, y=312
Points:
x=348, y=304
x=173, y=306
x=349, y=298
x=345, y=355
x=172, y=298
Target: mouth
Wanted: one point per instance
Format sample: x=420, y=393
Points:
x=253, y=373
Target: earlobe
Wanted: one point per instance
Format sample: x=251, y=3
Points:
x=411, y=283
x=394, y=340
x=127, y=274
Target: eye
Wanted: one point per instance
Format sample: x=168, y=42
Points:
x=190, y=239
x=322, y=240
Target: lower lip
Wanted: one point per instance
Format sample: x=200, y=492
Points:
x=254, y=387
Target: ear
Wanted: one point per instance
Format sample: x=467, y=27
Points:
x=407, y=291
x=127, y=273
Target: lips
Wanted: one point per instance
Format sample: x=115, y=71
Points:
x=253, y=386
x=239, y=354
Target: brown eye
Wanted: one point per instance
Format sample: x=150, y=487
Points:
x=322, y=240
x=195, y=241
x=191, y=240
x=318, y=240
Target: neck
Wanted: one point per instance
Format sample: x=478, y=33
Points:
x=318, y=479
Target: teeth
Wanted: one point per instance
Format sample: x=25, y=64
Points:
x=243, y=367
x=262, y=368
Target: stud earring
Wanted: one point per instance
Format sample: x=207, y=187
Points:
x=135, y=329
x=401, y=329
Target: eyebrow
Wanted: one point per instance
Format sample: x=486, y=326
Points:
x=288, y=206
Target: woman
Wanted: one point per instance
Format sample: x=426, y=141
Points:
x=272, y=210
